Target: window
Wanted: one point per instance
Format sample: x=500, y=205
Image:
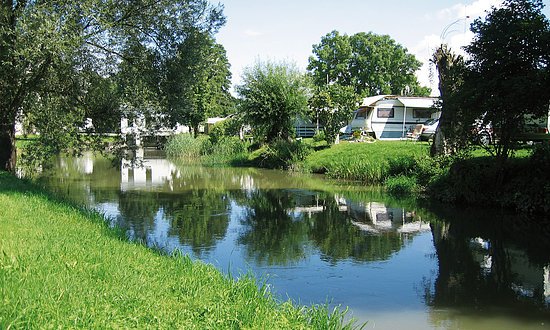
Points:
x=422, y=113
x=385, y=113
x=361, y=113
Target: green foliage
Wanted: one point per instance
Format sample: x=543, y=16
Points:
x=455, y=122
x=101, y=104
x=225, y=128
x=401, y=185
x=508, y=69
x=226, y=149
x=319, y=136
x=371, y=64
x=197, y=81
x=282, y=154
x=529, y=190
x=521, y=184
x=401, y=165
x=333, y=106
x=62, y=267
x=185, y=146
x=53, y=56
x=272, y=96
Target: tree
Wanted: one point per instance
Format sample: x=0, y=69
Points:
x=333, y=106
x=45, y=45
x=271, y=97
x=509, y=74
x=197, y=81
x=371, y=64
x=451, y=134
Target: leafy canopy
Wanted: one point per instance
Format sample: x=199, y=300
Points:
x=333, y=105
x=272, y=95
x=508, y=77
x=372, y=64
x=49, y=51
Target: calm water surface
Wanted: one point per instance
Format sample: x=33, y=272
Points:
x=396, y=265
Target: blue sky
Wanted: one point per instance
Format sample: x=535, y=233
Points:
x=286, y=30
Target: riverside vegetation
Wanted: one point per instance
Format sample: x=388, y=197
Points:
x=61, y=266
x=403, y=168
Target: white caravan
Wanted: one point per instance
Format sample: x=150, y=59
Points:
x=391, y=116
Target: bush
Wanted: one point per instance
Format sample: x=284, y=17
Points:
x=319, y=136
x=226, y=128
x=283, y=154
x=521, y=184
x=401, y=185
x=229, y=149
x=401, y=165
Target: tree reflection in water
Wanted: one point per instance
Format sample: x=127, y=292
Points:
x=487, y=262
x=273, y=235
x=491, y=263
x=199, y=218
x=281, y=225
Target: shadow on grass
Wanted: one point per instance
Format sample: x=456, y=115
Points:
x=12, y=185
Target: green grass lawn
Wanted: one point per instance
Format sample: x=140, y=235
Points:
x=62, y=267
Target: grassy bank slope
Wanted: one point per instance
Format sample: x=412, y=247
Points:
x=61, y=267
x=368, y=162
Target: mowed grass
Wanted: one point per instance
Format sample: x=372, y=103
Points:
x=62, y=267
x=368, y=162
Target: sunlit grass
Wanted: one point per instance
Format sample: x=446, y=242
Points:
x=62, y=267
x=368, y=162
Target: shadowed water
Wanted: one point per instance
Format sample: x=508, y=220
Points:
x=395, y=264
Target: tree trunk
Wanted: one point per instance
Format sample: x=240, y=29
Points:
x=8, y=155
x=438, y=144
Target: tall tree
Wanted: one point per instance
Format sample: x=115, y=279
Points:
x=451, y=134
x=509, y=74
x=372, y=64
x=271, y=97
x=43, y=42
x=197, y=81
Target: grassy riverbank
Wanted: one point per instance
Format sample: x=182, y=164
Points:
x=62, y=267
x=404, y=168
x=371, y=163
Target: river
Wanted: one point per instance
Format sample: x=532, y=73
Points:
x=394, y=263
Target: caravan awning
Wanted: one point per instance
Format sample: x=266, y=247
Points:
x=371, y=101
x=417, y=102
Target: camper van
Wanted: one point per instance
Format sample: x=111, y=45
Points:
x=391, y=116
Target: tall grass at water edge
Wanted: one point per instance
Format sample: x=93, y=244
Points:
x=62, y=267
x=371, y=163
x=225, y=150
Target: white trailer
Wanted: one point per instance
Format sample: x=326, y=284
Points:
x=391, y=116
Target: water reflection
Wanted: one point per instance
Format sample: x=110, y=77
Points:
x=489, y=263
x=442, y=267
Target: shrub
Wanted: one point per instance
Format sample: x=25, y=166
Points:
x=283, y=154
x=319, y=136
x=401, y=165
x=229, y=149
x=401, y=185
x=225, y=128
